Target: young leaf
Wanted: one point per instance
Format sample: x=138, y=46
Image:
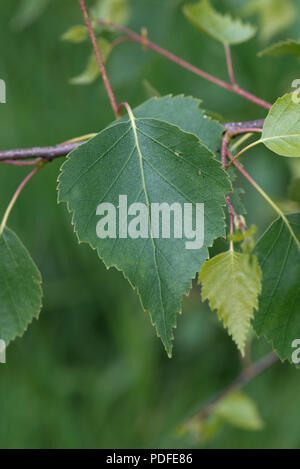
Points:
x=281, y=132
x=92, y=72
x=236, y=409
x=274, y=15
x=116, y=11
x=149, y=161
x=231, y=282
x=76, y=34
x=223, y=28
x=277, y=316
x=240, y=411
x=289, y=47
x=20, y=287
x=185, y=112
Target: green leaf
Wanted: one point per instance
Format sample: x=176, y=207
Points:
x=89, y=75
x=149, y=161
x=20, y=287
x=92, y=71
x=240, y=411
x=274, y=16
x=185, y=112
x=76, y=34
x=231, y=282
x=277, y=317
x=281, y=132
x=289, y=47
x=235, y=409
x=223, y=28
x=115, y=11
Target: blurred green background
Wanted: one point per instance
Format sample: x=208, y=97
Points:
x=91, y=373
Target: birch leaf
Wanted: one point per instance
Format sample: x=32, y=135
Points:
x=223, y=28
x=278, y=314
x=289, y=47
x=149, y=161
x=281, y=132
x=231, y=282
x=20, y=287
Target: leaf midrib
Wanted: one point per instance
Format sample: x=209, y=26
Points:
x=138, y=148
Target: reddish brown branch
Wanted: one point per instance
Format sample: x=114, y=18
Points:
x=244, y=127
x=46, y=153
x=105, y=78
x=234, y=88
x=244, y=378
x=229, y=64
x=49, y=153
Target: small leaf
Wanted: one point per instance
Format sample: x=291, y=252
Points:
x=277, y=317
x=274, y=16
x=148, y=161
x=281, y=132
x=92, y=71
x=115, y=11
x=240, y=411
x=76, y=34
x=231, y=282
x=20, y=287
x=235, y=409
x=239, y=236
x=89, y=75
x=289, y=47
x=223, y=28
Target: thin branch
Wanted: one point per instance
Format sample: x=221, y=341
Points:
x=207, y=76
x=243, y=127
x=22, y=163
x=231, y=210
x=242, y=151
x=224, y=148
x=49, y=153
x=231, y=217
x=16, y=195
x=46, y=153
x=121, y=40
x=238, y=143
x=244, y=378
x=266, y=197
x=229, y=64
x=234, y=215
x=106, y=81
